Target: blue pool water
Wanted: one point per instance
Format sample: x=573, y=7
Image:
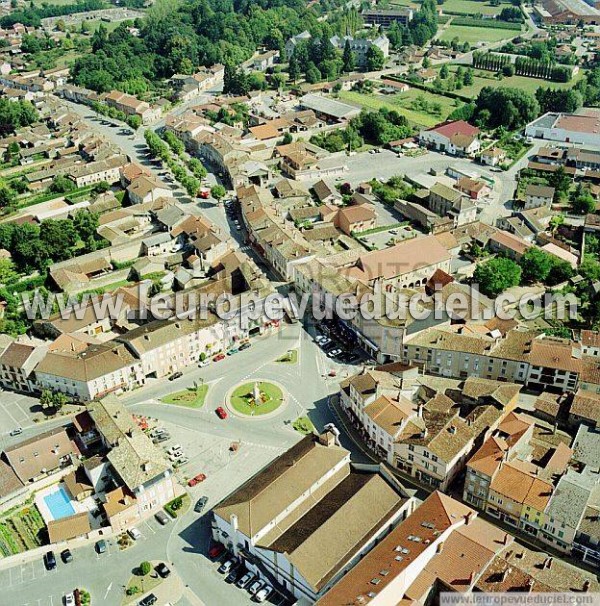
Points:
x=59, y=504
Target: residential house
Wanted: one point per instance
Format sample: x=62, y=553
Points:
x=538, y=195
x=458, y=138
x=448, y=202
x=17, y=364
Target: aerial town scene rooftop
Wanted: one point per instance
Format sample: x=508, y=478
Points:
x=299, y=302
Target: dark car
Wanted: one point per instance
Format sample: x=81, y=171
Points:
x=175, y=375
x=149, y=600
x=234, y=574
x=101, y=546
x=200, y=504
x=66, y=556
x=50, y=560
x=163, y=570
x=162, y=518
x=245, y=346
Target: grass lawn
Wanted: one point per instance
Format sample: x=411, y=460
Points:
x=241, y=399
x=404, y=102
x=142, y=584
x=473, y=35
x=303, y=425
x=189, y=398
x=109, y=25
x=472, y=7
x=290, y=357
x=487, y=78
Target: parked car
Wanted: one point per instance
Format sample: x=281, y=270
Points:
x=181, y=460
x=161, y=438
x=175, y=375
x=221, y=413
x=234, y=573
x=66, y=556
x=149, y=600
x=162, y=518
x=101, y=546
x=50, y=560
x=219, y=357
x=69, y=599
x=227, y=565
x=200, y=504
x=255, y=586
x=17, y=431
x=175, y=449
x=163, y=570
x=263, y=593
x=245, y=345
x=216, y=550
x=232, y=351
x=335, y=352
x=203, y=363
x=245, y=579
x=134, y=533
x=325, y=342
x=197, y=479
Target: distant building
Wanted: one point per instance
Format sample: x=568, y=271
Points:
x=457, y=138
x=580, y=128
x=361, y=46
x=385, y=18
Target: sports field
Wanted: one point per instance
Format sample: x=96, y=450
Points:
x=473, y=35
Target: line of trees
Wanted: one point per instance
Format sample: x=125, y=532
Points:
x=523, y=66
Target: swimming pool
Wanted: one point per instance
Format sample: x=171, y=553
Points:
x=59, y=504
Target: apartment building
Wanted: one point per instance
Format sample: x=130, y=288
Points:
x=95, y=172
x=310, y=516
x=538, y=195
x=17, y=364
x=165, y=346
x=448, y=202
x=132, y=106
x=88, y=371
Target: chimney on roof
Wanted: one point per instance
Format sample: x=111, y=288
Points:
x=529, y=584
x=548, y=563
x=468, y=518
x=439, y=547
x=505, y=539
x=586, y=585
x=146, y=466
x=420, y=410
x=505, y=573
x=471, y=577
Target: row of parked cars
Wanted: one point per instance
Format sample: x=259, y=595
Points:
x=335, y=344
x=244, y=579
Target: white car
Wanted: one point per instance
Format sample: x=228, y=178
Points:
x=69, y=599
x=175, y=450
x=203, y=363
x=134, y=533
x=264, y=593
x=334, y=353
x=255, y=587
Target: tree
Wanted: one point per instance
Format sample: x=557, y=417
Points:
x=510, y=107
x=6, y=197
x=496, y=275
x=134, y=122
x=348, y=58
x=508, y=70
x=217, y=191
x=145, y=568
x=293, y=68
x=313, y=75
x=561, y=272
x=584, y=204
x=62, y=185
x=535, y=265
x=7, y=271
x=469, y=77
x=444, y=71
x=560, y=181
x=375, y=59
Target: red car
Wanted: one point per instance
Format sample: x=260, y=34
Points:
x=216, y=550
x=197, y=479
x=219, y=357
x=204, y=194
x=221, y=413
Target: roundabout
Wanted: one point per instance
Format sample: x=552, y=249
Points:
x=257, y=398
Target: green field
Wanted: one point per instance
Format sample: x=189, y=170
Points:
x=471, y=7
x=404, y=102
x=473, y=35
x=109, y=25
x=487, y=78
